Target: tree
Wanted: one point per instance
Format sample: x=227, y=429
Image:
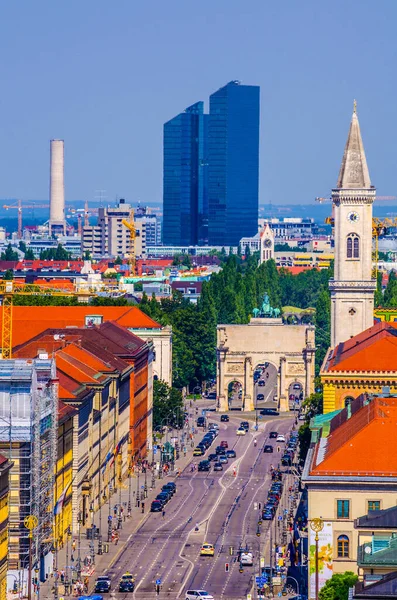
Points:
x=167, y=405
x=9, y=275
x=337, y=588
x=87, y=255
x=323, y=326
x=29, y=254
x=22, y=246
x=9, y=254
x=118, y=261
x=390, y=295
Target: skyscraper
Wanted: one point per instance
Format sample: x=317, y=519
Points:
x=185, y=178
x=233, y=157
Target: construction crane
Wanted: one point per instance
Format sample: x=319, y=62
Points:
x=381, y=227
x=8, y=289
x=132, y=229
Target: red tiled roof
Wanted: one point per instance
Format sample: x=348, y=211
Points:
x=3, y=459
x=375, y=349
x=362, y=445
x=65, y=412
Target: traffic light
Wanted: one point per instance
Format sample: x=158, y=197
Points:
x=227, y=568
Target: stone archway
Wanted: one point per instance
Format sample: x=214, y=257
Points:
x=240, y=348
x=266, y=385
x=235, y=395
x=295, y=394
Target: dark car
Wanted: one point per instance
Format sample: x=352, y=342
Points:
x=273, y=434
x=212, y=396
x=225, y=418
x=223, y=459
x=267, y=515
x=270, y=411
x=205, y=443
x=268, y=449
x=102, y=585
x=169, y=489
x=212, y=457
x=172, y=486
x=231, y=453
x=261, y=382
x=201, y=422
x=218, y=466
x=163, y=497
x=156, y=506
x=245, y=424
x=260, y=397
x=204, y=465
x=126, y=585
x=220, y=450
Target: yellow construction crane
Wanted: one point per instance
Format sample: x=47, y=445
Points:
x=381, y=227
x=132, y=229
x=8, y=289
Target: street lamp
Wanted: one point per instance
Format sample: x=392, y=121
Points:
x=316, y=525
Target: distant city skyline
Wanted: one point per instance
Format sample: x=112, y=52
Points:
x=106, y=78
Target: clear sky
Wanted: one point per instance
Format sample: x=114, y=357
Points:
x=106, y=75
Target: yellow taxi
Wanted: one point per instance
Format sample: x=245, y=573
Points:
x=198, y=452
x=207, y=550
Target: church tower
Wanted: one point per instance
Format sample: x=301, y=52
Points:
x=352, y=289
x=266, y=237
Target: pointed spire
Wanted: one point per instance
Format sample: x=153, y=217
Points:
x=353, y=172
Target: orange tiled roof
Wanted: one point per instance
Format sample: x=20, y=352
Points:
x=375, y=349
x=362, y=445
x=29, y=321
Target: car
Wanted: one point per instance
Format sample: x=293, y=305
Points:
x=197, y=595
x=220, y=450
x=302, y=417
x=268, y=449
x=260, y=397
x=223, y=459
x=261, y=382
x=102, y=585
x=225, y=418
x=224, y=444
x=126, y=585
x=156, y=506
x=270, y=411
x=231, y=453
x=164, y=497
x=212, y=457
x=280, y=438
x=245, y=424
x=201, y=422
x=198, y=451
x=211, y=396
x=273, y=434
x=207, y=550
x=247, y=559
x=241, y=431
x=218, y=466
x=296, y=386
x=127, y=576
x=204, y=465
x=169, y=490
x=205, y=443
x=171, y=485
x=267, y=515
x=213, y=426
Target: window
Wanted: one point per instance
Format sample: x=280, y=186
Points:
x=352, y=246
x=348, y=400
x=343, y=509
x=343, y=546
x=373, y=505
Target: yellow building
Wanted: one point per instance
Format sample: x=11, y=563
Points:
x=350, y=470
x=5, y=466
x=64, y=472
x=366, y=362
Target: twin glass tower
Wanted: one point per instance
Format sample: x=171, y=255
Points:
x=211, y=170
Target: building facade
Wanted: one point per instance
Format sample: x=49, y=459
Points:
x=5, y=467
x=352, y=288
x=233, y=157
x=185, y=171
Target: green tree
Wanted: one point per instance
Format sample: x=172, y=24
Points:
x=22, y=246
x=378, y=300
x=323, y=326
x=9, y=275
x=390, y=295
x=167, y=405
x=9, y=254
x=87, y=255
x=118, y=261
x=29, y=254
x=337, y=588
x=247, y=252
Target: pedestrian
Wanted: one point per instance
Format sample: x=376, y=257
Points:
x=143, y=507
x=163, y=513
x=116, y=539
x=86, y=582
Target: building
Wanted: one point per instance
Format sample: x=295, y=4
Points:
x=365, y=363
x=379, y=590
x=185, y=172
x=233, y=164
x=262, y=242
x=352, y=288
x=144, y=218
x=170, y=251
x=57, y=223
x=350, y=469
x=29, y=321
x=291, y=228
x=5, y=467
x=28, y=427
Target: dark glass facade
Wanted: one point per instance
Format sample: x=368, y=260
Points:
x=233, y=157
x=185, y=173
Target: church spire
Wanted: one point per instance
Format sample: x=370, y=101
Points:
x=353, y=172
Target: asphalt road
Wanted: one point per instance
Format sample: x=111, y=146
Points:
x=221, y=506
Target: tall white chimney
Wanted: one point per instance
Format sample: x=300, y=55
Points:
x=57, y=188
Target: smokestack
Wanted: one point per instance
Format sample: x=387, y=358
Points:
x=57, y=189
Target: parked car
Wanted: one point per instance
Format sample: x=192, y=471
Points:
x=198, y=451
x=225, y=418
x=164, y=497
x=156, y=506
x=268, y=449
x=171, y=486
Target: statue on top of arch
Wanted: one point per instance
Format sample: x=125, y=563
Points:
x=266, y=310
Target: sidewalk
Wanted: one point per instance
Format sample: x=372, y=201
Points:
x=129, y=524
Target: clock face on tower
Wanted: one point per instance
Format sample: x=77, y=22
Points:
x=353, y=217
x=268, y=243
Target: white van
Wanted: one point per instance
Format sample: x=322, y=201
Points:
x=197, y=594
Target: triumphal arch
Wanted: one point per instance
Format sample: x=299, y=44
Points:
x=266, y=339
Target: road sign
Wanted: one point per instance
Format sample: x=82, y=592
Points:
x=262, y=562
x=280, y=518
x=154, y=449
x=158, y=581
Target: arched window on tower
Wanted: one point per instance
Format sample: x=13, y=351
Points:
x=352, y=246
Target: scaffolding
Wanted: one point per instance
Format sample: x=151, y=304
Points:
x=28, y=434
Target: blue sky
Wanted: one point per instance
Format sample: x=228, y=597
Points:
x=105, y=76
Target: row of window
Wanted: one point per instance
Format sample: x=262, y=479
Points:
x=343, y=507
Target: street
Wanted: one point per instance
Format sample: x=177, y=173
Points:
x=213, y=507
